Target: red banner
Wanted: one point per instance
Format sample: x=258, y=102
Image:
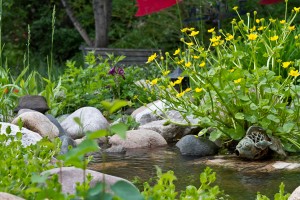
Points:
x=146, y=7
x=269, y=1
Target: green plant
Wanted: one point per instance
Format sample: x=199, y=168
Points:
x=19, y=163
x=244, y=77
x=278, y=196
x=165, y=188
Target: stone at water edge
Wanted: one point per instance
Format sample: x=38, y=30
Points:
x=295, y=194
x=33, y=102
x=190, y=145
x=71, y=175
x=37, y=122
x=138, y=139
x=90, y=118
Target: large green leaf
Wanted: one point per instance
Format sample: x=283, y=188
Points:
x=119, y=129
x=126, y=191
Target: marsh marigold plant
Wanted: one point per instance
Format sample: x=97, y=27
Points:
x=245, y=77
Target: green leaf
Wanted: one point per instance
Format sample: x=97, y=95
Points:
x=273, y=118
x=97, y=134
x=215, y=134
x=239, y=116
x=288, y=127
x=36, y=178
x=119, y=129
x=253, y=106
x=126, y=191
x=98, y=192
x=243, y=97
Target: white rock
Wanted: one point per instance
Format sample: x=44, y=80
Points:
x=285, y=165
x=295, y=195
x=90, y=118
x=29, y=137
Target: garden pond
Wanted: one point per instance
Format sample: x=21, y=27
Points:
x=239, y=185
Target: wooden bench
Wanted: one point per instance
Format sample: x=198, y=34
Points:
x=132, y=56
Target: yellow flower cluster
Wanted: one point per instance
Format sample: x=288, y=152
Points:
x=216, y=40
x=177, y=82
x=294, y=73
x=151, y=58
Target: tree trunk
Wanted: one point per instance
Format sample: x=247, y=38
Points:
x=102, y=15
x=77, y=24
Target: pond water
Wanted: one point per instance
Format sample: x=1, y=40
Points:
x=239, y=185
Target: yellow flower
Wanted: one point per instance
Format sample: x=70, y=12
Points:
x=231, y=70
x=211, y=30
x=235, y=8
x=187, y=89
x=188, y=64
x=253, y=29
x=189, y=43
x=296, y=9
x=191, y=29
x=257, y=21
x=286, y=64
x=178, y=95
x=294, y=73
x=252, y=36
x=151, y=58
x=282, y=21
x=178, y=81
x=261, y=28
x=272, y=20
x=165, y=73
x=154, y=81
x=292, y=28
x=229, y=37
x=202, y=64
x=177, y=52
x=172, y=84
x=238, y=80
x=184, y=30
x=215, y=39
x=274, y=38
x=198, y=90
x=135, y=97
x=194, y=33
x=196, y=57
x=180, y=62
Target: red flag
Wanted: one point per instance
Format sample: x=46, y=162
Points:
x=269, y=1
x=147, y=7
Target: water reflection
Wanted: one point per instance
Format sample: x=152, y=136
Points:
x=142, y=162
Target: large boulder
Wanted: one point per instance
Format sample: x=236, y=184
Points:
x=7, y=196
x=90, y=118
x=37, y=122
x=33, y=102
x=190, y=145
x=29, y=137
x=146, y=114
x=69, y=176
x=57, y=124
x=138, y=139
x=295, y=195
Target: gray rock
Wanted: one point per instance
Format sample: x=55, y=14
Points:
x=295, y=195
x=71, y=175
x=33, y=102
x=190, y=145
x=7, y=196
x=66, y=141
x=145, y=114
x=38, y=122
x=29, y=137
x=115, y=149
x=57, y=124
x=138, y=139
x=90, y=118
